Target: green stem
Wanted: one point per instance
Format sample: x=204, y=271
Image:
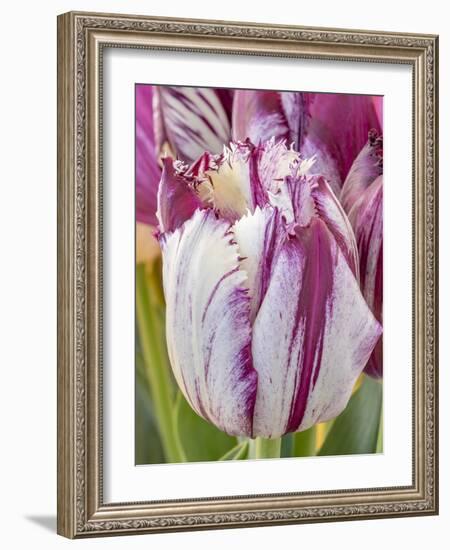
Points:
x=267, y=448
x=379, y=448
x=157, y=367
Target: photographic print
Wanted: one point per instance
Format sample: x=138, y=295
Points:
x=247, y=314
x=259, y=274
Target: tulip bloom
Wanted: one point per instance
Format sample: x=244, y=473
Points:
x=362, y=197
x=266, y=327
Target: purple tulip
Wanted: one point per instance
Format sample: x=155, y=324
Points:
x=362, y=198
x=267, y=329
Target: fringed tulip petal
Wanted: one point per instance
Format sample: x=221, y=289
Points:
x=324, y=335
x=235, y=184
x=177, y=200
x=207, y=318
x=303, y=197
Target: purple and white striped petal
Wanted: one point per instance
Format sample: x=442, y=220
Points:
x=366, y=217
x=275, y=162
x=191, y=120
x=302, y=197
x=325, y=333
x=177, y=201
x=368, y=165
x=329, y=209
x=207, y=322
x=258, y=237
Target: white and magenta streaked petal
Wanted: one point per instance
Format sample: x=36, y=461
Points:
x=302, y=197
x=207, y=322
x=177, y=200
x=329, y=209
x=275, y=162
x=325, y=333
x=367, y=166
x=192, y=120
x=366, y=217
x=258, y=116
x=258, y=237
x=148, y=171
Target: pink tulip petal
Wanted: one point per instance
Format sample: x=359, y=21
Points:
x=148, y=171
x=177, y=200
x=207, y=319
x=377, y=101
x=258, y=116
x=366, y=217
x=367, y=166
x=261, y=115
x=340, y=123
x=192, y=120
x=324, y=335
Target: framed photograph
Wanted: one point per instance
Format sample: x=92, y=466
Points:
x=247, y=274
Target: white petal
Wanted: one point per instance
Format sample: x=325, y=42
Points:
x=258, y=237
x=207, y=322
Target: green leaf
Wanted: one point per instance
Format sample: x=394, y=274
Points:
x=287, y=446
x=304, y=443
x=148, y=448
x=237, y=453
x=201, y=440
x=380, y=434
x=355, y=430
x=299, y=444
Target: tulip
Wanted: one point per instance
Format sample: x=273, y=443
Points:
x=331, y=127
x=362, y=198
x=266, y=327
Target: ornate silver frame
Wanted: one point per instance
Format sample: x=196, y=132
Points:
x=81, y=38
